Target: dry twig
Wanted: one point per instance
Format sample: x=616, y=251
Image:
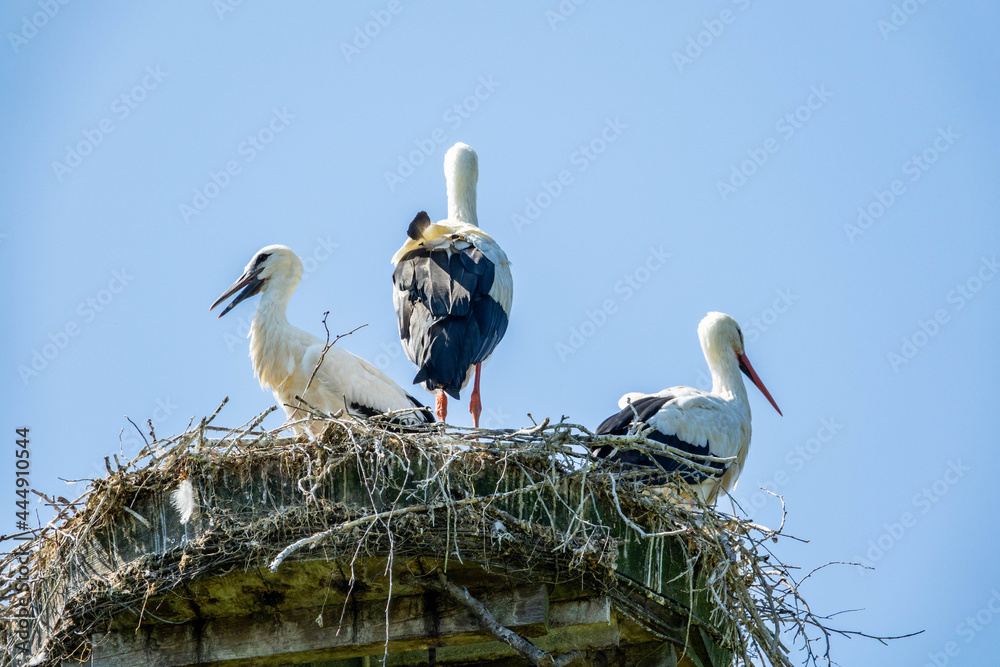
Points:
x=415, y=480
x=538, y=657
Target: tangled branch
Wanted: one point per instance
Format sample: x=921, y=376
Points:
x=531, y=502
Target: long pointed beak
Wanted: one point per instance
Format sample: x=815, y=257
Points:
x=249, y=281
x=752, y=374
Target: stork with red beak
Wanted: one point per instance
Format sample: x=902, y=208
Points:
x=714, y=423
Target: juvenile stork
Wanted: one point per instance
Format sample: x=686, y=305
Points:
x=715, y=423
x=452, y=290
x=284, y=357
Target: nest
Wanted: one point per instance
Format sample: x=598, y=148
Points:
x=530, y=504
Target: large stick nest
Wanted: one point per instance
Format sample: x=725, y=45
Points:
x=433, y=490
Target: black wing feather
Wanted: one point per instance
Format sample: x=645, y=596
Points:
x=447, y=319
x=423, y=414
x=646, y=408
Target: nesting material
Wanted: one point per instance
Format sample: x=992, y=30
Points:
x=527, y=506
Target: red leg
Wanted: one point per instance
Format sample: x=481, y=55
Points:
x=441, y=406
x=475, y=404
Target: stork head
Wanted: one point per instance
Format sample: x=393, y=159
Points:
x=722, y=341
x=461, y=164
x=273, y=267
x=461, y=173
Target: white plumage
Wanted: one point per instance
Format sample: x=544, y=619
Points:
x=184, y=500
x=714, y=423
x=284, y=357
x=452, y=290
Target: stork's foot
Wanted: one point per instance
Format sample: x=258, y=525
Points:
x=441, y=406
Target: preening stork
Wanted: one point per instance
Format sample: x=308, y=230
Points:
x=714, y=423
x=452, y=290
x=284, y=356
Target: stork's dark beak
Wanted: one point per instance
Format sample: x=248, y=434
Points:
x=248, y=280
x=752, y=374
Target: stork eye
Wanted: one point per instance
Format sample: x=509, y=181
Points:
x=260, y=259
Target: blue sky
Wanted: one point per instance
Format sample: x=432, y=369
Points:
x=824, y=172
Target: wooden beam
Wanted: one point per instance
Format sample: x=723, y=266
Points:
x=413, y=622
x=573, y=625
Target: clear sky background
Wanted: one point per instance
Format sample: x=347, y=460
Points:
x=824, y=172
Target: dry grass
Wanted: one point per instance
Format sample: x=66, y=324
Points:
x=419, y=482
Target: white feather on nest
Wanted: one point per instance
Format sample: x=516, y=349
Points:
x=184, y=500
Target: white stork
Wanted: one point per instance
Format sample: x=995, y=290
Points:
x=284, y=356
x=452, y=290
x=715, y=423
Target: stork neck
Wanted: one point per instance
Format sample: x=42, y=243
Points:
x=462, y=201
x=727, y=379
x=270, y=312
x=269, y=323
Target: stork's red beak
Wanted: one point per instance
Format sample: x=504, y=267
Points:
x=752, y=374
